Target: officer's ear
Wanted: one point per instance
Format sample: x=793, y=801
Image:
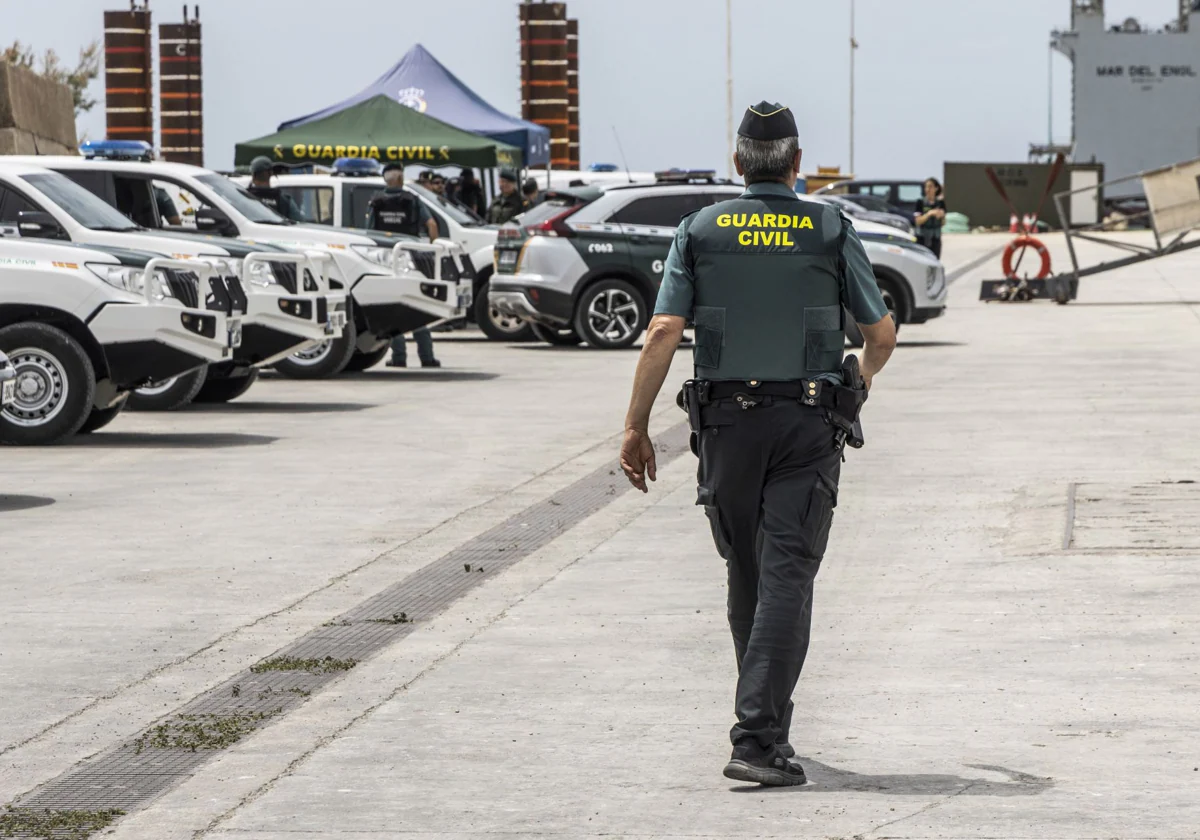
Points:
x=796, y=162
x=737, y=165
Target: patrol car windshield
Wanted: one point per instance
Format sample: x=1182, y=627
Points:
x=90, y=211
x=242, y=201
x=445, y=206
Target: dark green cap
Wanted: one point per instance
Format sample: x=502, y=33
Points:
x=508, y=175
x=388, y=167
x=261, y=163
x=768, y=121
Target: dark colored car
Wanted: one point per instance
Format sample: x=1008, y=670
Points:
x=898, y=197
x=858, y=210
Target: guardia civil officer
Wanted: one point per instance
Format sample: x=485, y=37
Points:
x=764, y=278
x=508, y=203
x=260, y=187
x=396, y=210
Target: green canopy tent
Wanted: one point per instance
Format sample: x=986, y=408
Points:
x=383, y=129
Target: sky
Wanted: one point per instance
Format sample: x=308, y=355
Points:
x=935, y=80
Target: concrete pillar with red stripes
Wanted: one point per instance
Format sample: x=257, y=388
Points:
x=180, y=92
x=544, y=86
x=128, y=84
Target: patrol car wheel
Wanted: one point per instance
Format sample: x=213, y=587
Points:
x=225, y=389
x=101, y=417
x=495, y=324
x=365, y=361
x=854, y=334
x=55, y=383
x=169, y=394
x=560, y=337
x=328, y=358
x=610, y=315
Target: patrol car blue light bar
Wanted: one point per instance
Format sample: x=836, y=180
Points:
x=685, y=175
x=602, y=167
x=117, y=149
x=356, y=166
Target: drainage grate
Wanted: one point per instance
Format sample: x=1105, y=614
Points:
x=1133, y=518
x=127, y=779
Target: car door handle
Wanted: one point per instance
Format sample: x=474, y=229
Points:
x=637, y=238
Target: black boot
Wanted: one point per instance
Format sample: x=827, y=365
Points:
x=751, y=763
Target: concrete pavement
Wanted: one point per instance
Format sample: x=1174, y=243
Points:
x=969, y=676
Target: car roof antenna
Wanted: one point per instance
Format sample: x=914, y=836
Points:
x=625, y=162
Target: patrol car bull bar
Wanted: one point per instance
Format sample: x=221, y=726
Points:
x=439, y=247
x=308, y=259
x=203, y=269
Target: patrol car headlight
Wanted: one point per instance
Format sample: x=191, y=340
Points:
x=261, y=274
x=377, y=255
x=131, y=279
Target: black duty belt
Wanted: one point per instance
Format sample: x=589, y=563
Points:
x=807, y=391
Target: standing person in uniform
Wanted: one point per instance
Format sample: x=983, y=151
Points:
x=396, y=210
x=470, y=192
x=260, y=187
x=764, y=278
x=508, y=203
x=930, y=216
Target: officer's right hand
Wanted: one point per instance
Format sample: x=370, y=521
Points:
x=637, y=458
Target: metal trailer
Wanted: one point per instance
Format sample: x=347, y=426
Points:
x=1173, y=212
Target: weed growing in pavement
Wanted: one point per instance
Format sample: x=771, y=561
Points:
x=201, y=732
x=342, y=623
x=54, y=825
x=328, y=665
x=397, y=618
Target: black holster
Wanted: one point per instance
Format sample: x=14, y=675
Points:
x=692, y=396
x=844, y=403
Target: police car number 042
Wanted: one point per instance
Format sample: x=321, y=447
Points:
x=600, y=248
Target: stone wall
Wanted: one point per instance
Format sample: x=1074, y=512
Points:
x=37, y=116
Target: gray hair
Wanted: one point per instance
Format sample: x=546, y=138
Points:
x=767, y=160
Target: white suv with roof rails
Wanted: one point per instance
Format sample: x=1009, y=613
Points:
x=586, y=263
x=396, y=283
x=83, y=326
x=342, y=198
x=278, y=321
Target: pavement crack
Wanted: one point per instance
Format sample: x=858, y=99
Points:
x=937, y=803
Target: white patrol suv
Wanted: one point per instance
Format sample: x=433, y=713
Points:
x=586, y=263
x=83, y=326
x=342, y=198
x=279, y=321
x=396, y=283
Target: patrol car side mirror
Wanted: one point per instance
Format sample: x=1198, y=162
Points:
x=212, y=220
x=38, y=225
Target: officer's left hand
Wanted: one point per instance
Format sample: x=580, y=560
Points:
x=637, y=458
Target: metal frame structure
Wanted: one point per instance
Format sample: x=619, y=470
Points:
x=1064, y=287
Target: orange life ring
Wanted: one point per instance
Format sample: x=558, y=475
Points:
x=1020, y=244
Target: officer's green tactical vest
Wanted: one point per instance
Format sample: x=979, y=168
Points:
x=768, y=289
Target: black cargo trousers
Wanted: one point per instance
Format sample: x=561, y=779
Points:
x=768, y=481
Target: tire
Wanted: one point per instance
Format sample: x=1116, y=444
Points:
x=560, y=337
x=101, y=417
x=56, y=385
x=891, y=299
x=611, y=315
x=169, y=394
x=496, y=326
x=365, y=361
x=329, y=358
x=226, y=388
